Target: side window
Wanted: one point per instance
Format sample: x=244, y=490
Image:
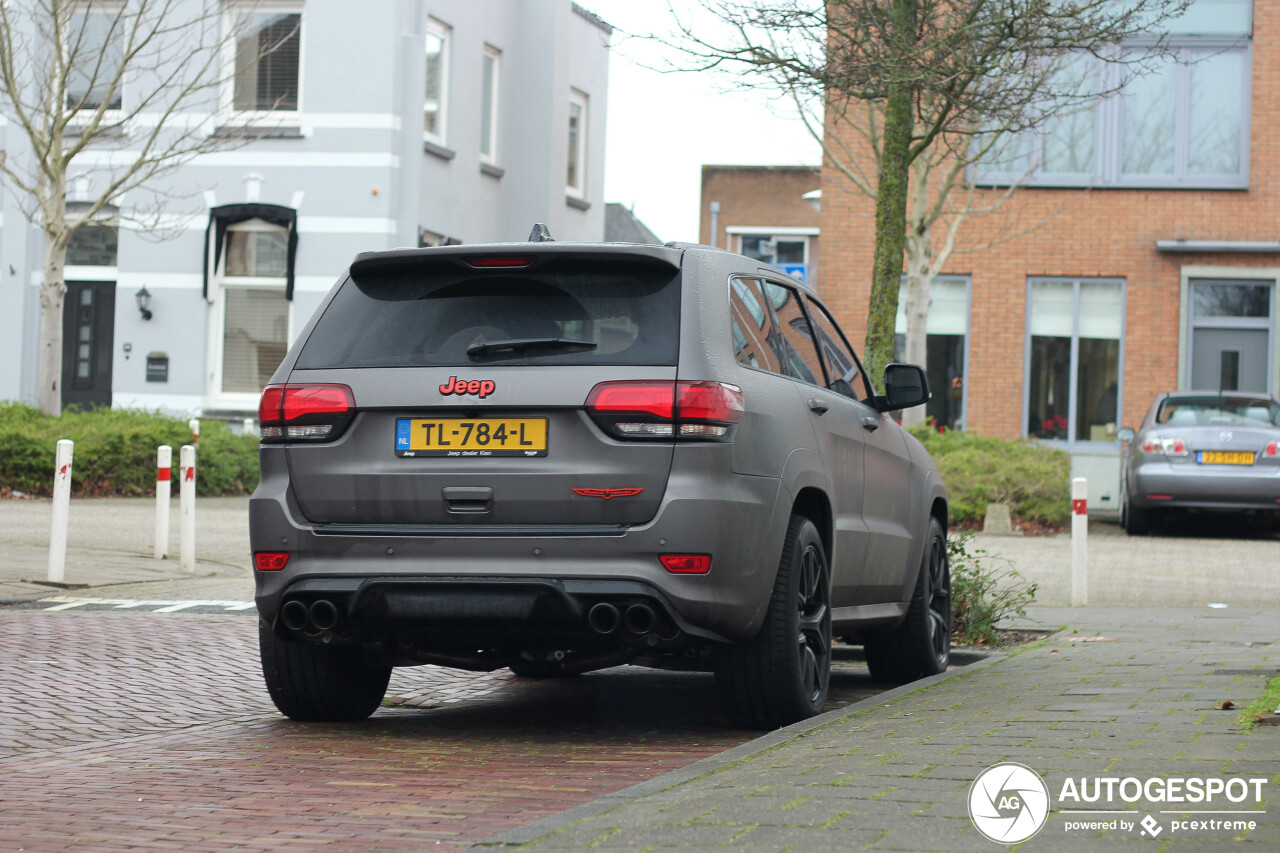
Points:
x=846, y=377
x=756, y=340
x=801, y=352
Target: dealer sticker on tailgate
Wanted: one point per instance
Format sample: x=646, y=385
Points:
x=471, y=437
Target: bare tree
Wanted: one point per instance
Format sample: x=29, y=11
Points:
x=944, y=80
x=111, y=94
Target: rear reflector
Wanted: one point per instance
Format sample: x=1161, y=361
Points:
x=1160, y=497
x=686, y=564
x=270, y=561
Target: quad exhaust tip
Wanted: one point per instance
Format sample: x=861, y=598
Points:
x=321, y=616
x=324, y=615
x=603, y=618
x=640, y=619
x=294, y=615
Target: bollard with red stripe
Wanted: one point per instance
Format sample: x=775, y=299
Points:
x=187, y=507
x=1079, y=541
x=164, y=490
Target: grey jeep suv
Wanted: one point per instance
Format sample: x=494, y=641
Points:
x=560, y=457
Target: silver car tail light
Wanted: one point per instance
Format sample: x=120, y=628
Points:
x=1157, y=445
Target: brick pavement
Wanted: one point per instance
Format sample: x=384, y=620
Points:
x=123, y=730
x=896, y=776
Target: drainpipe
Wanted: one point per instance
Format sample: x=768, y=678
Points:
x=715, y=224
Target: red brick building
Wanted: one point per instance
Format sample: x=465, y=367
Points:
x=761, y=212
x=1141, y=254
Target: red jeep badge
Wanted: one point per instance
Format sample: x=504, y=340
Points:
x=481, y=387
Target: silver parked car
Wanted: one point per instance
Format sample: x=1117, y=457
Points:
x=560, y=457
x=1203, y=450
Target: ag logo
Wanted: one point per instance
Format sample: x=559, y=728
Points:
x=1008, y=803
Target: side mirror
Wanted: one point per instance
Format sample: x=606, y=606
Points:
x=905, y=385
x=1126, y=434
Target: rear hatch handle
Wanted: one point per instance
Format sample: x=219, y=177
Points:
x=462, y=499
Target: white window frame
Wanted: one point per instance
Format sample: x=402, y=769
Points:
x=443, y=32
x=578, y=99
x=1108, y=130
x=109, y=115
x=237, y=400
x=791, y=234
x=226, y=102
x=1187, y=322
x=1071, y=442
x=494, y=94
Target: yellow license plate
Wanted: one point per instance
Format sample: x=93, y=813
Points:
x=471, y=437
x=1226, y=457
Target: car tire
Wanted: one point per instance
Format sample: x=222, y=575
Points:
x=782, y=674
x=316, y=683
x=1136, y=522
x=921, y=644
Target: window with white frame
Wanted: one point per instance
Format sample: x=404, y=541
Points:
x=264, y=63
x=575, y=179
x=1180, y=120
x=489, y=79
x=1075, y=329
x=435, y=106
x=253, y=312
x=788, y=252
x=95, y=52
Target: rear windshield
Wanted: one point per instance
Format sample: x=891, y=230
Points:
x=1218, y=411
x=597, y=313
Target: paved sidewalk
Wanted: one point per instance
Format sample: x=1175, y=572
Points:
x=1117, y=693
x=111, y=541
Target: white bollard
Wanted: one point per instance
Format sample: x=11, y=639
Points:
x=194, y=426
x=248, y=426
x=187, y=507
x=61, y=509
x=1079, y=542
x=164, y=490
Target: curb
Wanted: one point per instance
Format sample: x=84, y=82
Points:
x=706, y=766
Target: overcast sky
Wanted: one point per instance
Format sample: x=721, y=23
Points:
x=663, y=127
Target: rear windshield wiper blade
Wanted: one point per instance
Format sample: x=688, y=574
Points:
x=515, y=346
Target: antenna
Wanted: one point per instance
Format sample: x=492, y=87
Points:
x=540, y=234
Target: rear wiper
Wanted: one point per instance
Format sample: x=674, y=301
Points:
x=516, y=346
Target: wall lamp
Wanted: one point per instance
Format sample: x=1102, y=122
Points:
x=144, y=299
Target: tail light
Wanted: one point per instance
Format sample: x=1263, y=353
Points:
x=666, y=411
x=1272, y=450
x=1155, y=445
x=304, y=412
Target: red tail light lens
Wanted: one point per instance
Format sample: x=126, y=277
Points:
x=686, y=564
x=270, y=561
x=666, y=410
x=1157, y=445
x=1273, y=449
x=305, y=412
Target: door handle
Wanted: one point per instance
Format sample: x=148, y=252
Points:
x=818, y=406
x=871, y=423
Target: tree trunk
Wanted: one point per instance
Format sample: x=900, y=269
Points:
x=53, y=292
x=919, y=244
x=891, y=209
x=891, y=223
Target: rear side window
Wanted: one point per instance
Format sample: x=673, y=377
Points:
x=756, y=340
x=448, y=316
x=845, y=376
x=801, y=351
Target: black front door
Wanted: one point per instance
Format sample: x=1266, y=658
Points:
x=88, y=331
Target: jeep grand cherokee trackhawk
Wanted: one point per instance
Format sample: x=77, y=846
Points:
x=560, y=457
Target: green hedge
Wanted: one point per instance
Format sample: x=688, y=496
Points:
x=1033, y=479
x=116, y=452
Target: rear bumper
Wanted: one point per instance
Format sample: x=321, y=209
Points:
x=435, y=572
x=1209, y=487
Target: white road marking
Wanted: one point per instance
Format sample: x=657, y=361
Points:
x=62, y=602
